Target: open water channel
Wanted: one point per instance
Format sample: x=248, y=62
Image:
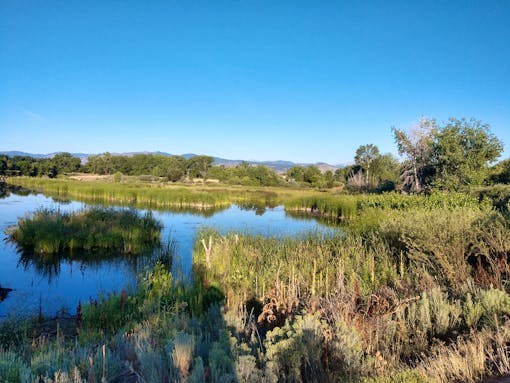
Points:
x=62, y=285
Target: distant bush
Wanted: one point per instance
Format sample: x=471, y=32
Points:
x=499, y=195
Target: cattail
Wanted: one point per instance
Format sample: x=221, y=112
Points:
x=313, y=277
x=104, y=363
x=123, y=296
x=40, y=317
x=91, y=373
x=78, y=315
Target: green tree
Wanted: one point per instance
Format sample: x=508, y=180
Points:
x=175, y=168
x=220, y=173
x=108, y=163
x=385, y=171
x=100, y=164
x=462, y=151
x=295, y=173
x=501, y=172
x=328, y=179
x=364, y=157
x=4, y=165
x=312, y=175
x=340, y=174
x=66, y=163
x=94, y=164
x=121, y=164
x=47, y=168
x=198, y=166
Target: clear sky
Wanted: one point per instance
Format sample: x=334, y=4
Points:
x=304, y=81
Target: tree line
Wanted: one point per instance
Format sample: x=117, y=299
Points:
x=452, y=156
x=36, y=167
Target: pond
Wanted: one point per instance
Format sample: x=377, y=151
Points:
x=61, y=286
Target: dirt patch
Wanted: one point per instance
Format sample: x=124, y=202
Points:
x=90, y=177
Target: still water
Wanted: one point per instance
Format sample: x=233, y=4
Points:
x=65, y=284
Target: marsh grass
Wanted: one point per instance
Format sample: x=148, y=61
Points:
x=343, y=207
x=150, y=195
x=413, y=290
x=47, y=232
x=407, y=288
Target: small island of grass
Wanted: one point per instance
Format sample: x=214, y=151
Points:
x=49, y=231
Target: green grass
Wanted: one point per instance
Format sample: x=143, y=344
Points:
x=150, y=195
x=347, y=207
x=139, y=194
x=47, y=232
x=332, y=207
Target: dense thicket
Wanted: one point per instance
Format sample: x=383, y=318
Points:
x=450, y=157
x=33, y=167
x=245, y=174
x=454, y=156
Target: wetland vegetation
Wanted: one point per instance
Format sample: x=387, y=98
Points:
x=46, y=232
x=413, y=287
x=390, y=298
x=149, y=195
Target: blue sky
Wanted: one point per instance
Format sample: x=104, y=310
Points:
x=247, y=79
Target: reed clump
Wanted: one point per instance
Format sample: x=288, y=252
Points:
x=347, y=207
x=149, y=195
x=48, y=231
x=332, y=207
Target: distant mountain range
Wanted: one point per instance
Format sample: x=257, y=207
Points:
x=279, y=166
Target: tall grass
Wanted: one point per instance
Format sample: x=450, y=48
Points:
x=333, y=207
x=342, y=207
x=383, y=295
x=293, y=269
x=49, y=231
x=148, y=195
x=133, y=193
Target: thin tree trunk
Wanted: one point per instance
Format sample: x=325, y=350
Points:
x=416, y=182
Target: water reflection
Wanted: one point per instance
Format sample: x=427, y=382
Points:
x=61, y=200
x=323, y=220
x=259, y=208
x=65, y=280
x=49, y=266
x=7, y=189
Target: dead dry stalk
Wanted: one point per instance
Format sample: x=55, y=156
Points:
x=207, y=251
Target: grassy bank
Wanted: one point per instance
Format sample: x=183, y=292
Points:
x=48, y=232
x=345, y=207
x=160, y=195
x=136, y=194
